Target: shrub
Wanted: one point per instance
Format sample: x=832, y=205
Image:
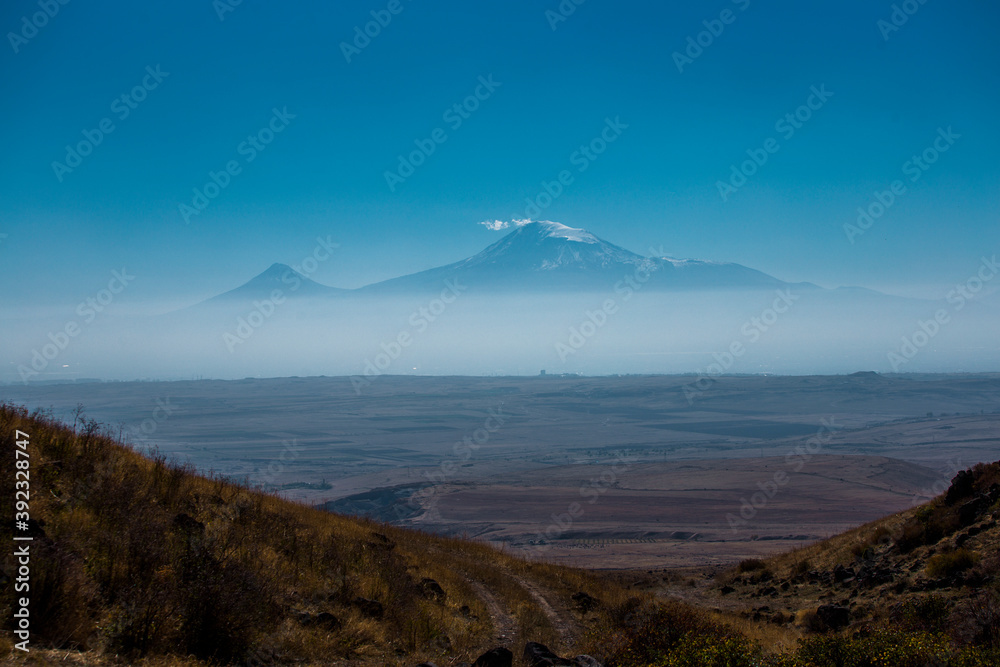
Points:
x=802, y=567
x=640, y=632
x=704, y=651
x=881, y=648
x=927, y=614
x=751, y=565
x=948, y=564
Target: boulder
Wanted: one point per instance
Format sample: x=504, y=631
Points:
x=498, y=657
x=962, y=486
x=326, y=621
x=432, y=589
x=834, y=616
x=369, y=608
x=842, y=574
x=585, y=602
x=539, y=655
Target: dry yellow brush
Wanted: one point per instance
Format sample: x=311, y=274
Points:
x=140, y=560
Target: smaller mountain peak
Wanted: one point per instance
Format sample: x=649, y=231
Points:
x=277, y=272
x=277, y=269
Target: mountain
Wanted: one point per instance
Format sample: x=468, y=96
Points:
x=535, y=257
x=546, y=255
x=278, y=277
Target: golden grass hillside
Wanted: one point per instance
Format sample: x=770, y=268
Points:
x=139, y=561
x=137, y=557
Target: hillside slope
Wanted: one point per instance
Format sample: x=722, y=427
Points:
x=138, y=561
x=931, y=572
x=134, y=556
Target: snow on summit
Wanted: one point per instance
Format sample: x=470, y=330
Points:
x=557, y=230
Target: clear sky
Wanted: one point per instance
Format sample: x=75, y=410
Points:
x=551, y=91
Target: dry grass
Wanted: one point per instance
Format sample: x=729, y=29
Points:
x=143, y=558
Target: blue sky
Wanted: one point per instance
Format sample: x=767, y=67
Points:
x=324, y=172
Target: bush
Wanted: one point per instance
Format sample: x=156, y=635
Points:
x=751, y=565
x=641, y=632
x=925, y=614
x=948, y=564
x=705, y=651
x=881, y=648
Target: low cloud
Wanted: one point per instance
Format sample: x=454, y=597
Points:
x=500, y=225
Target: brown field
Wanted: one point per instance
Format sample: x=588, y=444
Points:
x=619, y=471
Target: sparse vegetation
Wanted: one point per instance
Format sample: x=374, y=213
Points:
x=951, y=563
x=140, y=558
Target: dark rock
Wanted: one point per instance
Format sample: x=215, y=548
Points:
x=187, y=524
x=842, y=574
x=539, y=655
x=961, y=487
x=369, y=608
x=586, y=661
x=834, y=616
x=432, y=589
x=970, y=512
x=427, y=664
x=585, y=602
x=726, y=590
x=326, y=621
x=382, y=542
x=870, y=576
x=498, y=657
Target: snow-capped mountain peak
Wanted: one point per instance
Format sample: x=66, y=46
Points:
x=557, y=230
